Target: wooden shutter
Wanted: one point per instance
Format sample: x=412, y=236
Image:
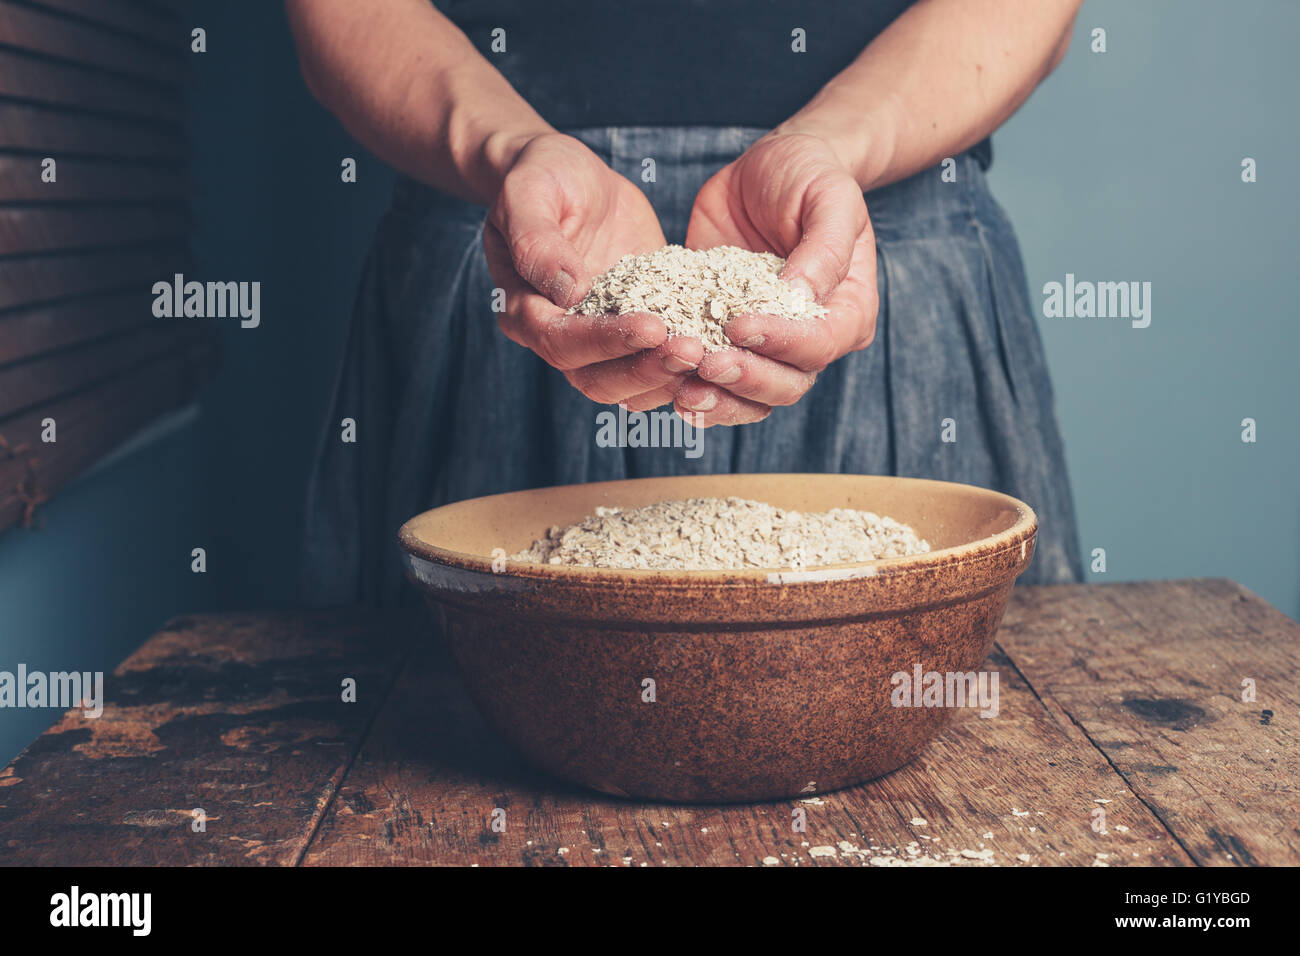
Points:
x=97, y=86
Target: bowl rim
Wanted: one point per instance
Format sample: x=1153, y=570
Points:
x=1021, y=530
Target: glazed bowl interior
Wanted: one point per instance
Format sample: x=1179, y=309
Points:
x=949, y=516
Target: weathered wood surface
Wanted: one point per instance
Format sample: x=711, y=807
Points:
x=1151, y=675
x=240, y=716
x=1122, y=700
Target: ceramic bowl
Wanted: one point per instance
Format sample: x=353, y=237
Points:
x=720, y=686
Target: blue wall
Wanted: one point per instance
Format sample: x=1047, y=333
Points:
x=1125, y=165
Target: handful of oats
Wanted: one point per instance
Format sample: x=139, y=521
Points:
x=697, y=291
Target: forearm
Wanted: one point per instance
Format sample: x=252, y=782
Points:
x=942, y=77
x=411, y=88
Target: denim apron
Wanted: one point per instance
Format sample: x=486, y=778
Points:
x=446, y=407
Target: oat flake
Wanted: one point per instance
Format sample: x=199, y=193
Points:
x=721, y=534
x=697, y=291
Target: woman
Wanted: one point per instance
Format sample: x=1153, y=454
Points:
x=540, y=143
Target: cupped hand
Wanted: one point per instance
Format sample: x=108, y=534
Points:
x=562, y=216
x=789, y=195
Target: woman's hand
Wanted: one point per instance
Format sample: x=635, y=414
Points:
x=560, y=217
x=789, y=194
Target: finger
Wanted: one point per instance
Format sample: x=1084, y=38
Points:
x=562, y=340
x=756, y=377
x=705, y=405
x=619, y=379
x=656, y=399
x=808, y=344
x=832, y=217
x=528, y=214
x=813, y=343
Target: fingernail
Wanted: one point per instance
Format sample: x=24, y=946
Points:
x=705, y=404
x=753, y=342
x=676, y=366
x=562, y=287
x=725, y=377
x=634, y=340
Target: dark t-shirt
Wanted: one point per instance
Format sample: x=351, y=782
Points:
x=671, y=62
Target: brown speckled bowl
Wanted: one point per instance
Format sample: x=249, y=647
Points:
x=765, y=684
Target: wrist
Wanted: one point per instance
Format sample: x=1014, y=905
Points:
x=497, y=153
x=863, y=140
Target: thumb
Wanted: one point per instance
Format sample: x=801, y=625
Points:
x=833, y=217
x=541, y=253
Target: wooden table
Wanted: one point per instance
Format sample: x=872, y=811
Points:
x=1124, y=699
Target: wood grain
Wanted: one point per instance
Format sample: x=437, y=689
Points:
x=1152, y=674
x=240, y=716
x=1119, y=700
x=428, y=780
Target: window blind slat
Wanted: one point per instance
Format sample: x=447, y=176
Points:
x=28, y=281
x=29, y=384
x=30, y=332
x=97, y=85
x=54, y=133
x=147, y=23
x=43, y=229
x=80, y=180
x=42, y=32
x=32, y=78
x=89, y=425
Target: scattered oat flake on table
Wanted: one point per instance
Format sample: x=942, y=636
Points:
x=771, y=861
x=918, y=822
x=822, y=851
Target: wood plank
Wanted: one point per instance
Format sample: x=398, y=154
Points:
x=91, y=424
x=49, y=81
x=30, y=280
x=45, y=328
x=38, y=30
x=240, y=715
x=82, y=180
x=1152, y=672
x=44, y=229
x=144, y=22
x=1012, y=790
x=56, y=133
x=28, y=384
